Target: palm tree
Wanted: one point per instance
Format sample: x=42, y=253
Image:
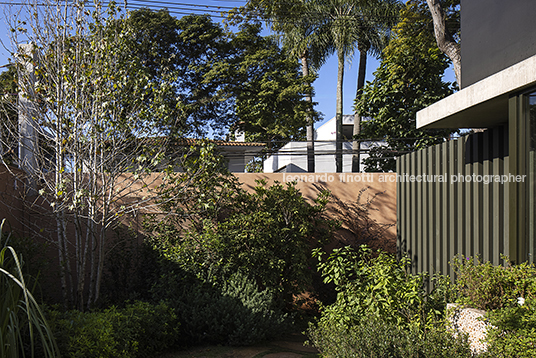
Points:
x=373, y=36
x=301, y=39
x=298, y=29
x=345, y=23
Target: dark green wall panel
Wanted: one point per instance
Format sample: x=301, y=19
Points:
x=438, y=220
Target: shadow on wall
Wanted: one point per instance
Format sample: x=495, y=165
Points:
x=364, y=203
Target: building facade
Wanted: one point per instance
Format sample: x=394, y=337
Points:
x=486, y=203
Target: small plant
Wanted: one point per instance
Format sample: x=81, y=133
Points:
x=485, y=286
x=20, y=314
x=382, y=310
x=235, y=312
x=374, y=337
x=140, y=329
x=377, y=285
x=513, y=331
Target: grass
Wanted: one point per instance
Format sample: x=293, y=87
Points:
x=18, y=309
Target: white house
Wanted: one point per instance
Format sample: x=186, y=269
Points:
x=292, y=158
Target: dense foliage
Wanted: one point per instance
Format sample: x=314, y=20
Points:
x=374, y=337
x=507, y=293
x=224, y=81
x=235, y=312
x=139, y=329
x=266, y=87
x=266, y=235
x=382, y=310
x=232, y=261
x=484, y=286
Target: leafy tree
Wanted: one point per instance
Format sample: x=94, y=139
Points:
x=409, y=78
x=266, y=87
x=184, y=48
x=224, y=81
x=293, y=21
x=85, y=129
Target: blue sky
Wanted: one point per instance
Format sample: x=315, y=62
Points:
x=325, y=85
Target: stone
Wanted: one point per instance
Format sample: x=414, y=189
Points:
x=472, y=322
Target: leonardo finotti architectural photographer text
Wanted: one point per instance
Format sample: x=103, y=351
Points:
x=403, y=178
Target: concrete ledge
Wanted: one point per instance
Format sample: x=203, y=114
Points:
x=483, y=104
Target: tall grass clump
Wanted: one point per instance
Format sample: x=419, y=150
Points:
x=21, y=320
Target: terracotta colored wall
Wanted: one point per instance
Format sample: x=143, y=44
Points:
x=375, y=189
x=379, y=189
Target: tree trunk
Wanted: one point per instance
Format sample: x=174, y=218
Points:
x=338, y=115
x=310, y=122
x=356, y=144
x=445, y=40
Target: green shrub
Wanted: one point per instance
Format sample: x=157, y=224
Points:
x=138, y=330
x=267, y=235
x=131, y=269
x=215, y=229
x=487, y=287
x=365, y=284
x=382, y=310
x=234, y=313
x=83, y=335
x=373, y=337
x=513, y=331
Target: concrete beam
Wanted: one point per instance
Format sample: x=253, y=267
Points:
x=483, y=104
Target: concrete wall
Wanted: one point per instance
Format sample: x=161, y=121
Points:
x=350, y=194
x=496, y=34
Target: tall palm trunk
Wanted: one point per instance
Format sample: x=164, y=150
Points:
x=310, y=121
x=338, y=114
x=356, y=144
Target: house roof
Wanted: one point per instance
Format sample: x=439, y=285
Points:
x=220, y=143
x=223, y=143
x=482, y=104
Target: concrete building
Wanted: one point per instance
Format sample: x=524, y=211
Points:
x=486, y=203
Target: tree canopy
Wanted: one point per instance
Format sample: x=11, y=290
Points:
x=223, y=80
x=409, y=78
x=266, y=87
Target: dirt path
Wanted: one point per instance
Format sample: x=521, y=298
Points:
x=288, y=347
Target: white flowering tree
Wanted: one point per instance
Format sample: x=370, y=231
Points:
x=87, y=130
